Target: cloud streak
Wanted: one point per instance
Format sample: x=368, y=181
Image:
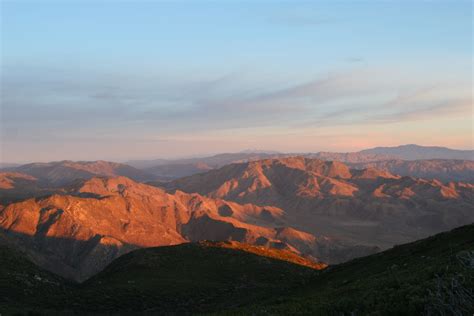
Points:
x=61, y=108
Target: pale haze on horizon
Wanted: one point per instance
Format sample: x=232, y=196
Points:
x=87, y=80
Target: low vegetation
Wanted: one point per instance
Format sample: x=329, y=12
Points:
x=434, y=276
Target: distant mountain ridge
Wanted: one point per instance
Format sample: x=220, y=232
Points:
x=59, y=173
x=214, y=161
x=417, y=152
x=441, y=169
x=8, y=179
x=6, y=165
x=16, y=186
x=172, y=169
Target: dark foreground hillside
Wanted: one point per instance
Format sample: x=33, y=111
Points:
x=191, y=277
x=434, y=276
x=24, y=287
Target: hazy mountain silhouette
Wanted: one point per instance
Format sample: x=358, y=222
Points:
x=416, y=152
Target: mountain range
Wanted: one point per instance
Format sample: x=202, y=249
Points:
x=324, y=211
x=416, y=152
x=369, y=206
x=75, y=218
x=59, y=173
x=447, y=166
x=409, y=160
x=78, y=232
x=441, y=169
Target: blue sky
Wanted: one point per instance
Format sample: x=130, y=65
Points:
x=122, y=80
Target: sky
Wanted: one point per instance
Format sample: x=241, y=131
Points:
x=119, y=80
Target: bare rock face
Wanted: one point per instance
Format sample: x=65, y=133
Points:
x=369, y=206
x=77, y=233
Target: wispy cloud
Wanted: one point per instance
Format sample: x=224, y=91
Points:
x=60, y=108
x=441, y=109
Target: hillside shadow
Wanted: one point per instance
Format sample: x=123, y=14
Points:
x=70, y=258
